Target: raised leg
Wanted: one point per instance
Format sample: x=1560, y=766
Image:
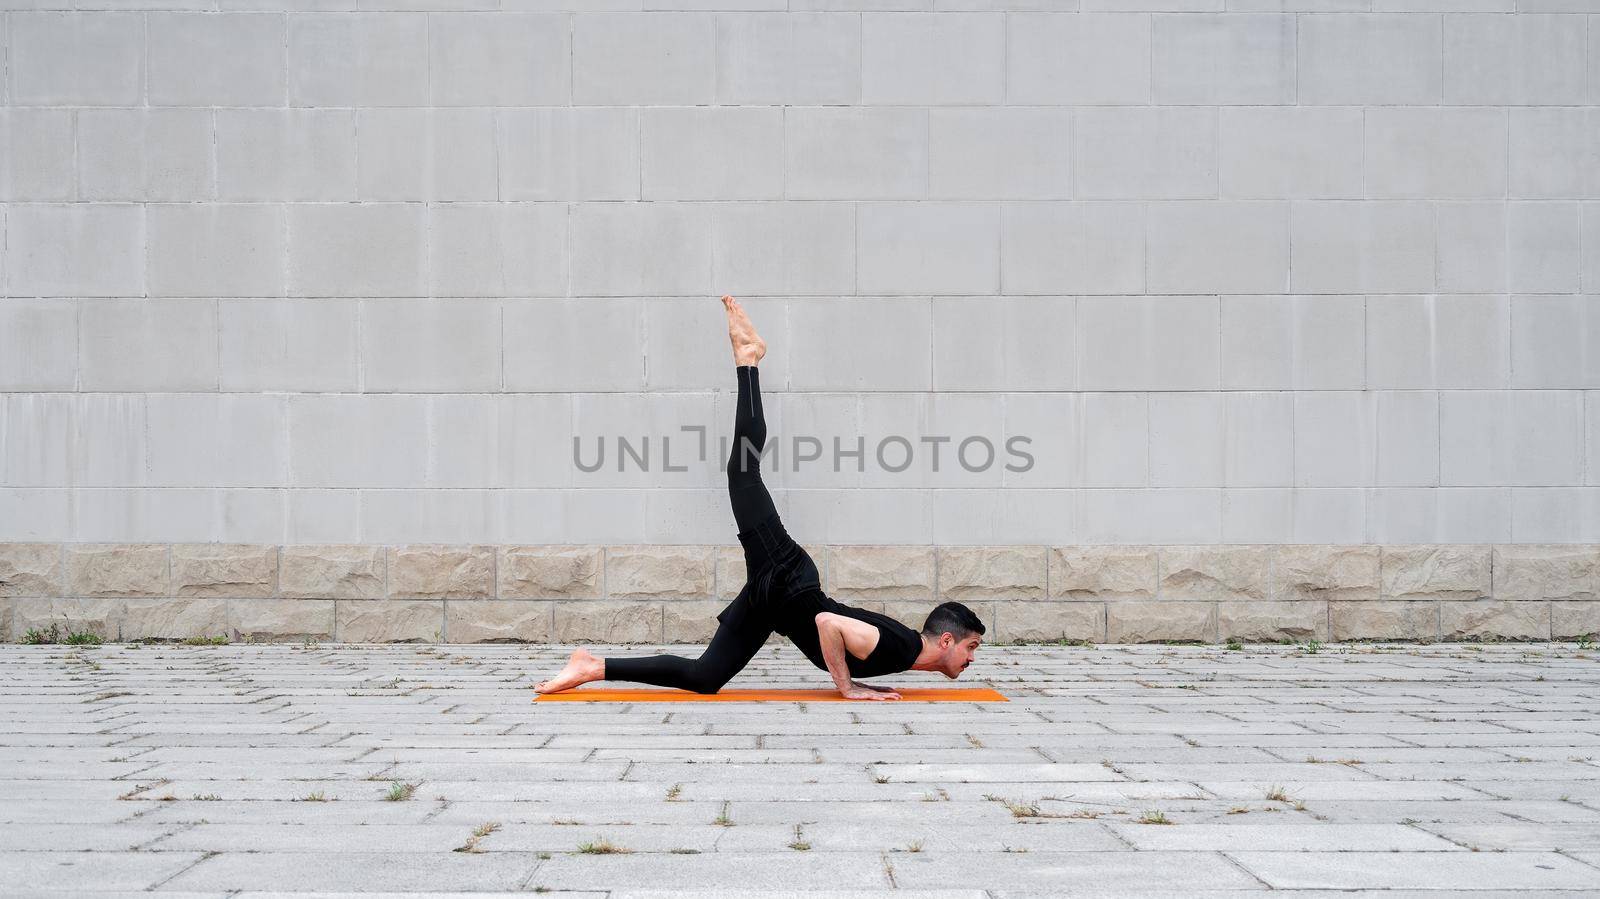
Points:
x=752, y=502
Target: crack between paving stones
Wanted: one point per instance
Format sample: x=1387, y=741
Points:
x=209, y=854
x=1246, y=871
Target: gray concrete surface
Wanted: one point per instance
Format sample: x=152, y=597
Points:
x=255, y=771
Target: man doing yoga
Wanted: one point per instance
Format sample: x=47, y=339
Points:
x=783, y=592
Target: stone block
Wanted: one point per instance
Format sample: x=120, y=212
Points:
x=1032, y=622
x=274, y=620
x=1102, y=572
x=110, y=569
x=991, y=572
x=661, y=572
x=1151, y=621
x=1491, y=618
x=549, y=572
x=497, y=621
x=1384, y=620
x=331, y=571
x=1296, y=620
x=174, y=619
x=436, y=571
x=1213, y=572
x=31, y=569
x=607, y=621
x=1571, y=620
x=691, y=621
x=1532, y=571
x=224, y=569
x=5, y=619
x=913, y=612
x=732, y=571
x=389, y=621
x=879, y=572
x=101, y=617
x=1325, y=572
x=1435, y=572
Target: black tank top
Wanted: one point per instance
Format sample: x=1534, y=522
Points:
x=898, y=645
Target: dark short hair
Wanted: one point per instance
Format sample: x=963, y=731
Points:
x=953, y=617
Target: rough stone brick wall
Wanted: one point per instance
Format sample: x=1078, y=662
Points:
x=1246, y=280
x=653, y=594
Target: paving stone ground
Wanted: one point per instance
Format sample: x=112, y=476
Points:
x=1114, y=771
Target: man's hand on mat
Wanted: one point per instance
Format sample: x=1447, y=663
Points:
x=857, y=683
x=867, y=693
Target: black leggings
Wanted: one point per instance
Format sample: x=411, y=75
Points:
x=744, y=626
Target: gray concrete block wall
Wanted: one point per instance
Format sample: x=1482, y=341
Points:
x=1242, y=275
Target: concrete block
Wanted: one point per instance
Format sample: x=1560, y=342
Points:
x=507, y=59
x=1148, y=343
x=1299, y=342
x=1187, y=439
x=799, y=59
x=711, y=153
x=1435, y=152
x=988, y=153
x=211, y=440
x=1145, y=152
x=921, y=248
x=575, y=153
x=148, y=344
x=1334, y=439
x=844, y=153
x=1072, y=247
x=434, y=154
x=359, y=250
x=1289, y=151
x=74, y=250
x=497, y=249
x=38, y=345
x=1257, y=437
x=1224, y=58
x=1524, y=437
x=933, y=58
x=216, y=249
x=630, y=249
x=286, y=154
x=307, y=345
x=77, y=58
x=1072, y=59
x=1376, y=246
x=623, y=59
x=358, y=59
x=357, y=440
x=1520, y=60
x=1225, y=246
x=228, y=58
x=431, y=345
x=1403, y=57
x=39, y=144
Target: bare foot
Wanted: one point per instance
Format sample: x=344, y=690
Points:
x=748, y=347
x=582, y=667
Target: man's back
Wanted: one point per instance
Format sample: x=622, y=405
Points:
x=898, y=645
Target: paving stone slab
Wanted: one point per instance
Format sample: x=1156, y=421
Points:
x=1391, y=762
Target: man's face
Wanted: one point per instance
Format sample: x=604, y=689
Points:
x=957, y=653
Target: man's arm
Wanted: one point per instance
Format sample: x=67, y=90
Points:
x=831, y=638
x=835, y=635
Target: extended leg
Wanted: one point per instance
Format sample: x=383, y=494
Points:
x=732, y=647
x=751, y=501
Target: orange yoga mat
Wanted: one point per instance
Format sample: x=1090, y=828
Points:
x=917, y=694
